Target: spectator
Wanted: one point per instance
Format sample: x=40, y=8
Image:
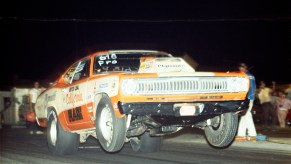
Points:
x=246, y=127
x=288, y=91
x=283, y=104
x=267, y=107
x=6, y=106
x=274, y=97
x=33, y=94
x=274, y=94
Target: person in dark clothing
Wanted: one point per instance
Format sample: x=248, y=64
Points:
x=267, y=106
x=6, y=106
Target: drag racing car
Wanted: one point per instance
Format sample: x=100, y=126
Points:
x=137, y=96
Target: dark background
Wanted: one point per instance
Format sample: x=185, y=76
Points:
x=40, y=39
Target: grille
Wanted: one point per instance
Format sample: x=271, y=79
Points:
x=178, y=86
x=184, y=85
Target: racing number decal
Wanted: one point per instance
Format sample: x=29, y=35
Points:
x=75, y=114
x=107, y=59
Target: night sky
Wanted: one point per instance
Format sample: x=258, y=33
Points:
x=39, y=40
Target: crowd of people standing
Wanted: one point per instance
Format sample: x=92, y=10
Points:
x=275, y=104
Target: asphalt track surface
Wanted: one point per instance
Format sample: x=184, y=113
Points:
x=18, y=146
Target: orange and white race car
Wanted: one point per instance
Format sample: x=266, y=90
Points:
x=137, y=96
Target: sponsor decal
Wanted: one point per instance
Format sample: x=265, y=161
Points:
x=146, y=65
x=75, y=114
x=169, y=66
x=74, y=98
x=74, y=88
x=104, y=85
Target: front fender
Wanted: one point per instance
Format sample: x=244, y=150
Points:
x=114, y=100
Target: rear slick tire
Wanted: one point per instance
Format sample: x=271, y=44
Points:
x=59, y=141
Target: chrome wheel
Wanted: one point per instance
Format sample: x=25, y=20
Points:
x=110, y=129
x=106, y=124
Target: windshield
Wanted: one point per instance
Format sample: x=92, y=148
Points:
x=129, y=62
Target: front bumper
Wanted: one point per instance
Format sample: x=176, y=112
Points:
x=167, y=108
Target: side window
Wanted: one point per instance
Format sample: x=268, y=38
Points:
x=78, y=71
x=69, y=75
x=82, y=70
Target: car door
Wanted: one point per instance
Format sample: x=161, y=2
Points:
x=75, y=95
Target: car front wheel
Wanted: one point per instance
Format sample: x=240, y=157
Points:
x=110, y=129
x=222, y=129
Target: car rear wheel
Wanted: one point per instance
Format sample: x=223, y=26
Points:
x=59, y=141
x=146, y=143
x=221, y=132
x=110, y=129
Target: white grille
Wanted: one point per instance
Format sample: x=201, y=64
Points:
x=184, y=85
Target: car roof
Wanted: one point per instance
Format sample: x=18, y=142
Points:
x=124, y=52
x=133, y=51
x=130, y=51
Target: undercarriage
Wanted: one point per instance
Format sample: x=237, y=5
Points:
x=163, y=118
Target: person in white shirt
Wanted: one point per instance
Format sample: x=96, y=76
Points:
x=33, y=94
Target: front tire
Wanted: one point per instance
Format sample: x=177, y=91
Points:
x=222, y=130
x=110, y=129
x=146, y=143
x=59, y=141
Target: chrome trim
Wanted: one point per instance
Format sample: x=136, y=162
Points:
x=183, y=85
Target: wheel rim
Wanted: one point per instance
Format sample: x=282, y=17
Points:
x=106, y=125
x=53, y=132
x=216, y=122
